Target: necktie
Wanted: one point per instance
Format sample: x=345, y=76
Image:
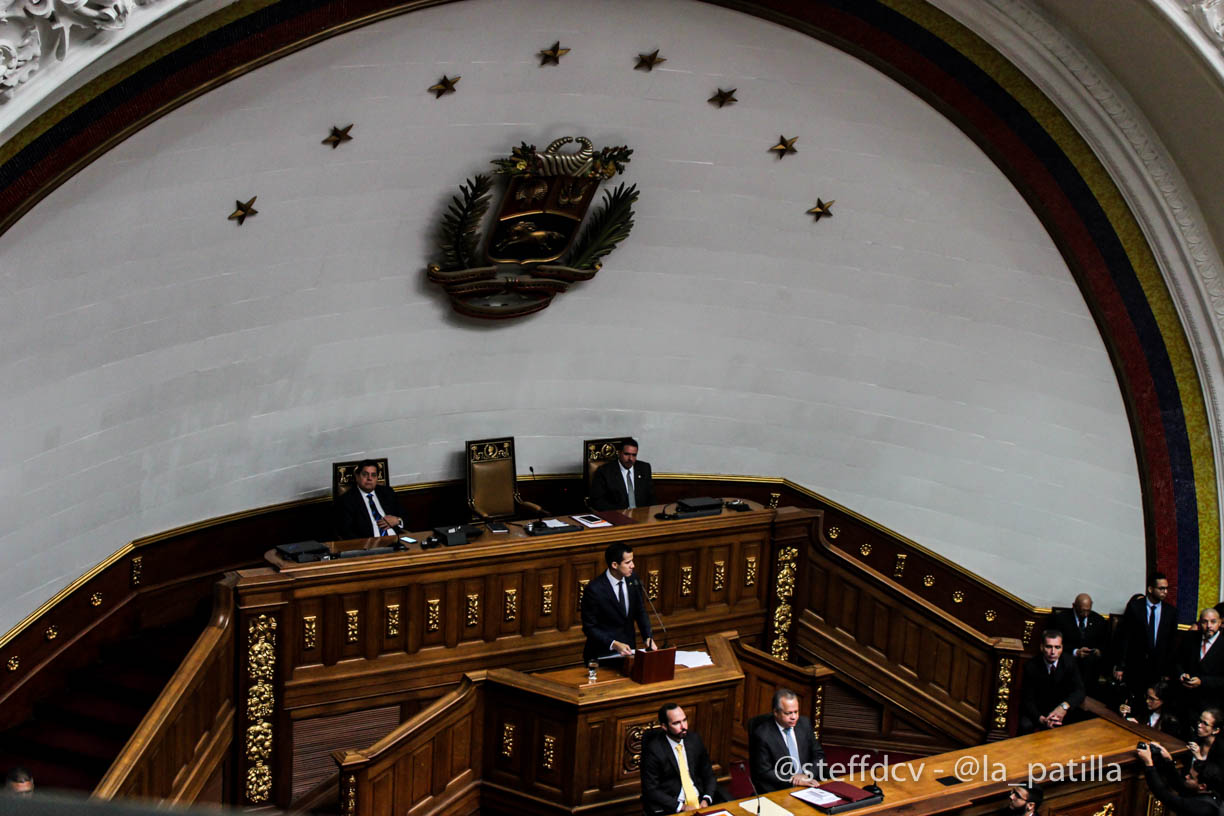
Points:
x=1203, y=651
x=686, y=779
x=790, y=746
x=1152, y=624
x=620, y=596
x=1083, y=625
x=374, y=512
x=1050, y=668
x=629, y=488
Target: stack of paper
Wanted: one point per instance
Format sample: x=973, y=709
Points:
x=764, y=807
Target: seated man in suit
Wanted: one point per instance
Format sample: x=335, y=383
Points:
x=1086, y=637
x=782, y=751
x=611, y=605
x=1200, y=664
x=676, y=770
x=623, y=483
x=368, y=509
x=1052, y=686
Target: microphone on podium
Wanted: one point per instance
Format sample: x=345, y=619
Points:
x=635, y=581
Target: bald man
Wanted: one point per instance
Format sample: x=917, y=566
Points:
x=1085, y=636
x=1200, y=664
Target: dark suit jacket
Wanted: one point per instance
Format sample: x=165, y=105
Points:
x=352, y=518
x=1209, y=668
x=608, y=488
x=1141, y=663
x=661, y=775
x=604, y=620
x=1042, y=691
x=1094, y=636
x=1199, y=804
x=766, y=748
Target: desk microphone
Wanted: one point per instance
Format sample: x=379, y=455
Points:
x=529, y=467
x=638, y=583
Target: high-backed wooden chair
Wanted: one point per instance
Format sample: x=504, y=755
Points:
x=492, y=480
x=595, y=454
x=343, y=472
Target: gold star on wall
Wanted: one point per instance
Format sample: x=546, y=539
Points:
x=445, y=85
x=821, y=209
x=785, y=146
x=243, y=211
x=647, y=62
x=552, y=56
x=338, y=136
x=723, y=98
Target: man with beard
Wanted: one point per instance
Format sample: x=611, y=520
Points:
x=1145, y=639
x=1024, y=800
x=1200, y=664
x=676, y=771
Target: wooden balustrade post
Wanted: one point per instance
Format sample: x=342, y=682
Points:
x=263, y=758
x=353, y=779
x=1004, y=690
x=793, y=529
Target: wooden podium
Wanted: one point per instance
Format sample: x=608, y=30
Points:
x=652, y=667
x=556, y=744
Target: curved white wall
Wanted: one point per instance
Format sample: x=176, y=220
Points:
x=923, y=356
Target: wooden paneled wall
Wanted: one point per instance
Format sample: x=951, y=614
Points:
x=877, y=633
x=431, y=764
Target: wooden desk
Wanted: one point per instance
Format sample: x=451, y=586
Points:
x=544, y=743
x=644, y=526
x=401, y=629
x=1086, y=750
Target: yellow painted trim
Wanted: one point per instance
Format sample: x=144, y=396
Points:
x=1138, y=252
x=48, y=605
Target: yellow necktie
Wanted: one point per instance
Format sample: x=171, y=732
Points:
x=686, y=780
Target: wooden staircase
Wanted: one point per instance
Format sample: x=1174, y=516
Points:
x=78, y=729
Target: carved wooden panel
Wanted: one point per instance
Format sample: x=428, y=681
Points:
x=425, y=618
x=889, y=641
x=433, y=767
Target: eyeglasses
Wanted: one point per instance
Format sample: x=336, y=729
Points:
x=1016, y=793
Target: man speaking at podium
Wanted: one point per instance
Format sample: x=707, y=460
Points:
x=611, y=605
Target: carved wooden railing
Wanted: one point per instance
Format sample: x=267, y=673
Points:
x=880, y=635
x=429, y=764
x=181, y=744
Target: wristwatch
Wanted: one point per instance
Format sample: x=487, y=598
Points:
x=1064, y=706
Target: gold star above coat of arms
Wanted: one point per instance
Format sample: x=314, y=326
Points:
x=785, y=146
x=243, y=211
x=647, y=62
x=552, y=56
x=445, y=85
x=821, y=209
x=338, y=136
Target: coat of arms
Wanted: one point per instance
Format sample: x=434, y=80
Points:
x=536, y=246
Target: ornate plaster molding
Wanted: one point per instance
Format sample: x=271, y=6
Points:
x=1208, y=15
x=38, y=33
x=1138, y=163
